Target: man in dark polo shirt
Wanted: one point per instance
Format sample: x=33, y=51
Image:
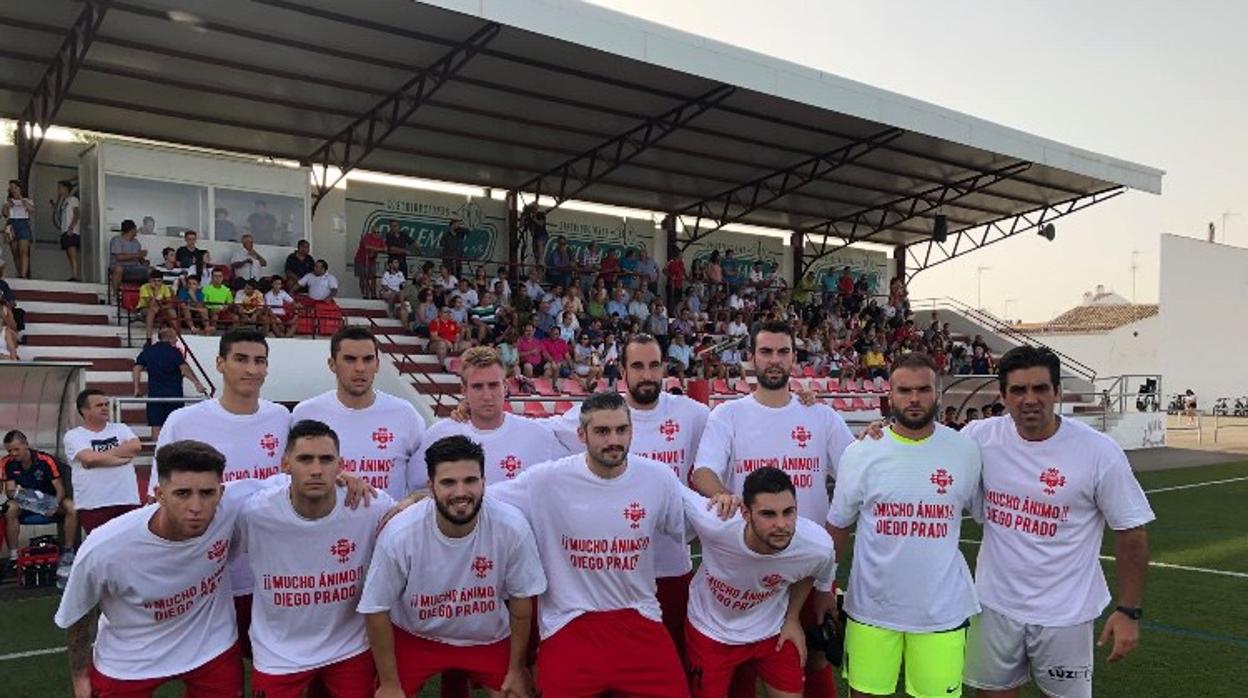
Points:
x=30, y=469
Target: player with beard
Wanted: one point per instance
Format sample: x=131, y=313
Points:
x=757, y=569
x=380, y=432
x=451, y=583
x=910, y=594
x=770, y=427
x=595, y=516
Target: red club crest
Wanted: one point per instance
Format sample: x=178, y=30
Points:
x=669, y=429
x=634, y=512
x=511, y=466
x=383, y=437
x=772, y=581
x=219, y=548
x=269, y=444
x=1052, y=479
x=481, y=566
x=342, y=550
x=801, y=436
x=942, y=479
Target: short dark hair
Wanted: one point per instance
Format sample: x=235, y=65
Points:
x=241, y=334
x=637, y=338
x=1027, y=356
x=453, y=448
x=15, y=435
x=766, y=480
x=82, y=400
x=128, y=225
x=155, y=274
x=68, y=184
x=774, y=327
x=309, y=429
x=351, y=332
x=166, y=251
x=188, y=456
x=912, y=359
x=322, y=263
x=598, y=402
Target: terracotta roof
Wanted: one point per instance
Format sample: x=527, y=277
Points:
x=1092, y=318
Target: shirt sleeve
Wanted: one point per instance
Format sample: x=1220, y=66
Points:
x=75, y=443
x=673, y=521
x=84, y=589
x=839, y=439
x=514, y=491
x=825, y=573
x=847, y=497
x=564, y=427
x=715, y=449
x=387, y=572
x=1118, y=494
x=525, y=576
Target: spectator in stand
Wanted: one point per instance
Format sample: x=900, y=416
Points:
x=638, y=308
x=482, y=319
x=19, y=209
x=533, y=285
x=559, y=263
x=298, y=263
x=559, y=357
x=190, y=257
x=540, y=235
x=247, y=262
x=280, y=316
x=509, y=355
x=658, y=323
x=166, y=368
x=951, y=418
x=70, y=216
x=391, y=286
x=628, y=269
x=981, y=361
x=446, y=282
x=713, y=272
x=996, y=409
x=370, y=246
x=675, y=271
x=445, y=336
x=610, y=269
x=617, y=308
x=501, y=286
x=320, y=285
x=532, y=353
x=466, y=292
x=972, y=414
x=730, y=359
x=680, y=356
x=424, y=312
x=191, y=306
x=587, y=264
x=261, y=222
x=222, y=226
x=249, y=305
x=734, y=270
x=155, y=298
x=873, y=362
x=568, y=327
x=101, y=457
x=218, y=298
x=30, y=469
x=544, y=321
x=647, y=271
x=8, y=321
x=453, y=241
x=171, y=273
x=845, y=283
x=459, y=312
x=127, y=258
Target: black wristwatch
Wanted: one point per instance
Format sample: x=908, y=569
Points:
x=1134, y=613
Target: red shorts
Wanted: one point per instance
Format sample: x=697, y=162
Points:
x=420, y=659
x=711, y=664
x=221, y=677
x=91, y=519
x=622, y=652
x=673, y=595
x=353, y=677
x=242, y=617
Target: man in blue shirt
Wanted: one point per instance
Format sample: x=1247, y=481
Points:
x=166, y=367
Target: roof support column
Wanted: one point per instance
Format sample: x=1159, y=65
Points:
x=49, y=94
x=899, y=261
x=513, y=239
x=672, y=251
x=797, y=250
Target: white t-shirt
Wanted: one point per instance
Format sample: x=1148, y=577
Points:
x=278, y=301
x=805, y=442
x=251, y=443
x=319, y=287
x=448, y=282
x=165, y=605
x=516, y=444
x=376, y=442
x=739, y=596
x=452, y=590
x=908, y=498
x=251, y=267
x=309, y=574
x=595, y=536
x=68, y=205
x=105, y=486
x=668, y=433
x=393, y=280
x=1046, y=505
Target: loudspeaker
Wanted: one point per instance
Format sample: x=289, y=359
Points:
x=940, y=228
x=1048, y=232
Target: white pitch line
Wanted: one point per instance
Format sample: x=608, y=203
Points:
x=1163, y=565
x=1195, y=484
x=31, y=653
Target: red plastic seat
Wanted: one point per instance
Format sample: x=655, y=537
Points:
x=741, y=385
x=562, y=407
x=545, y=387
x=719, y=386
x=507, y=407
x=533, y=408
x=841, y=405
x=671, y=382
x=571, y=386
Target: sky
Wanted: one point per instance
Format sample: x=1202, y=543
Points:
x=1160, y=83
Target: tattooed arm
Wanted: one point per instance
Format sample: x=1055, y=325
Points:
x=79, y=642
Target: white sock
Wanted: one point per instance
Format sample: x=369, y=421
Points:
x=12, y=553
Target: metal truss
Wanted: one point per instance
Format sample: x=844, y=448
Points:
x=579, y=172
x=350, y=146
x=48, y=96
x=871, y=222
x=734, y=204
x=926, y=254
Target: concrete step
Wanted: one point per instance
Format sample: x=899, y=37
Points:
x=55, y=353
x=56, y=307
x=61, y=340
x=24, y=295
x=67, y=318
x=97, y=364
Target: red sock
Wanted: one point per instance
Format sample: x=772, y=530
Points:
x=820, y=683
x=454, y=684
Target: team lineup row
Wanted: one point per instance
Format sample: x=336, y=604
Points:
x=590, y=516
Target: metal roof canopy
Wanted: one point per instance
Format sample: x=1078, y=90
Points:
x=551, y=95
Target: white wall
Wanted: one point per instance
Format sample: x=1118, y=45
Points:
x=1132, y=348
x=1203, y=333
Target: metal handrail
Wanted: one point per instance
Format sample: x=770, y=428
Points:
x=403, y=355
x=1005, y=329
x=190, y=353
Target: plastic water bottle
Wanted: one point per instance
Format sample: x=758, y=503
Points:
x=36, y=501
